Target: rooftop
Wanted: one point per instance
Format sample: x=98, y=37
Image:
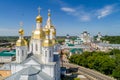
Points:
x=8, y=53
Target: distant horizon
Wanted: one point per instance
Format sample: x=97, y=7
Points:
x=68, y=16
x=56, y=35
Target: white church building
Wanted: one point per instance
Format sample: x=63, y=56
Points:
x=39, y=61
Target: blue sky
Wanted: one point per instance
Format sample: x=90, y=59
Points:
x=68, y=16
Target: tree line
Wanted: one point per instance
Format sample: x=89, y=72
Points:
x=105, y=62
x=112, y=39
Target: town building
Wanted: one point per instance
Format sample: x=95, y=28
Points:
x=85, y=37
x=99, y=36
x=7, y=56
x=105, y=46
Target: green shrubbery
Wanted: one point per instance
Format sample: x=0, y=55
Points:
x=112, y=39
x=107, y=63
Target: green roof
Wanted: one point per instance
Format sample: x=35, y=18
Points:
x=75, y=49
x=8, y=53
x=70, y=44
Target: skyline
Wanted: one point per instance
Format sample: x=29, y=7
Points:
x=69, y=17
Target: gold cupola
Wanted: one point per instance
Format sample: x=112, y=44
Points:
x=54, y=31
x=21, y=41
x=39, y=18
x=38, y=34
x=54, y=41
x=49, y=22
x=47, y=42
x=54, y=35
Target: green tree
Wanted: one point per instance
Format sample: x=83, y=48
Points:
x=116, y=72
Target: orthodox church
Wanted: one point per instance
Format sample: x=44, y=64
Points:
x=39, y=61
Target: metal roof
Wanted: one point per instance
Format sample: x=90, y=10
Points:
x=32, y=73
x=79, y=50
x=8, y=53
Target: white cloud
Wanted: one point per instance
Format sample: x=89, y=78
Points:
x=77, y=12
x=85, y=18
x=107, y=10
x=86, y=15
x=67, y=9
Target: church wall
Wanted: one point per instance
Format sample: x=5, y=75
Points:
x=21, y=53
x=57, y=69
x=47, y=54
x=31, y=46
x=36, y=46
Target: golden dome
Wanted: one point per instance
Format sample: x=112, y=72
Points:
x=49, y=14
x=53, y=41
x=47, y=43
x=38, y=34
x=54, y=32
x=21, y=31
x=39, y=19
x=52, y=27
x=21, y=42
x=47, y=31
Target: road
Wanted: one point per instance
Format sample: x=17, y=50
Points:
x=91, y=73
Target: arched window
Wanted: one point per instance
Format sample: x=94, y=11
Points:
x=36, y=47
x=18, y=53
x=22, y=52
x=32, y=47
x=50, y=53
x=45, y=53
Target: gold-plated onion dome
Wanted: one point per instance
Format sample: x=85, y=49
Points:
x=38, y=34
x=21, y=41
x=47, y=42
x=49, y=22
x=21, y=31
x=47, y=31
x=54, y=32
x=52, y=27
x=39, y=19
x=53, y=41
x=49, y=14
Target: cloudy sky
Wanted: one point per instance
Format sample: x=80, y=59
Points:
x=68, y=16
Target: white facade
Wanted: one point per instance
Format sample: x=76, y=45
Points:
x=99, y=36
x=47, y=55
x=5, y=59
x=67, y=41
x=21, y=53
x=42, y=61
x=35, y=46
x=85, y=37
